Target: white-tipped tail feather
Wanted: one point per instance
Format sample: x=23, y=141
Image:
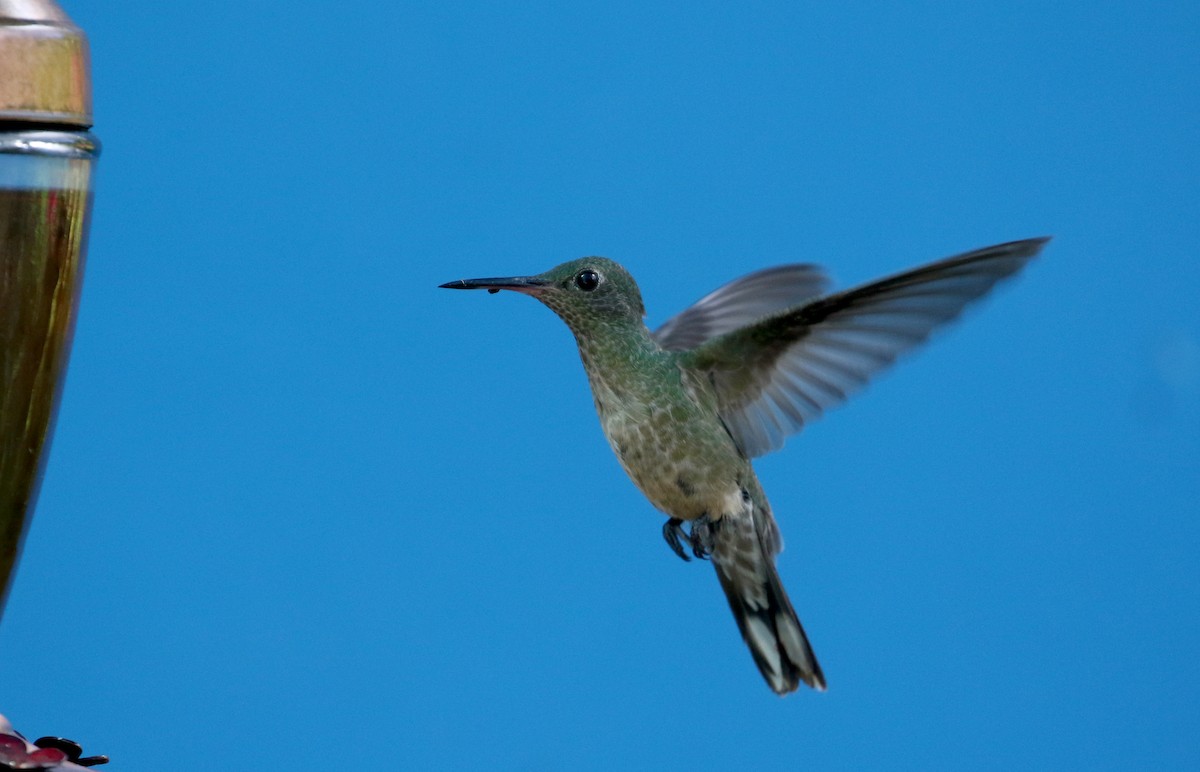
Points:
x=760, y=605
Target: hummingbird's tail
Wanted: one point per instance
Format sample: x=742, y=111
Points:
x=769, y=625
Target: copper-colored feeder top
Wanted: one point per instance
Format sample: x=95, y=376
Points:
x=44, y=72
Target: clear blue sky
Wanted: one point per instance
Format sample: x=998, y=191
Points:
x=299, y=499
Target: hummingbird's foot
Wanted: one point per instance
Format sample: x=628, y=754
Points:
x=674, y=534
x=702, y=537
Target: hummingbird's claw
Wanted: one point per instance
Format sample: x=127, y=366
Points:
x=701, y=537
x=674, y=534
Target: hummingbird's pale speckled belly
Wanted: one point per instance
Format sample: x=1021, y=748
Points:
x=683, y=461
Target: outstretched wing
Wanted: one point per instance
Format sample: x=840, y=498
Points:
x=775, y=375
x=741, y=302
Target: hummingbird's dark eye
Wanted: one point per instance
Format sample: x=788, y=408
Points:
x=587, y=280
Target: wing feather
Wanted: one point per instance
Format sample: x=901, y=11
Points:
x=741, y=302
x=774, y=374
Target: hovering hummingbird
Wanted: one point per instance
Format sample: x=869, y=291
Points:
x=686, y=407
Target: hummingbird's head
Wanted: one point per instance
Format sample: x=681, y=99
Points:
x=587, y=293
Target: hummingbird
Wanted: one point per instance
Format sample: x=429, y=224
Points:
x=687, y=406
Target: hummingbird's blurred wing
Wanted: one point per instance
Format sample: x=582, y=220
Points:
x=741, y=302
x=773, y=376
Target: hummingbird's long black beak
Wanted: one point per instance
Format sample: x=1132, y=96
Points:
x=530, y=285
